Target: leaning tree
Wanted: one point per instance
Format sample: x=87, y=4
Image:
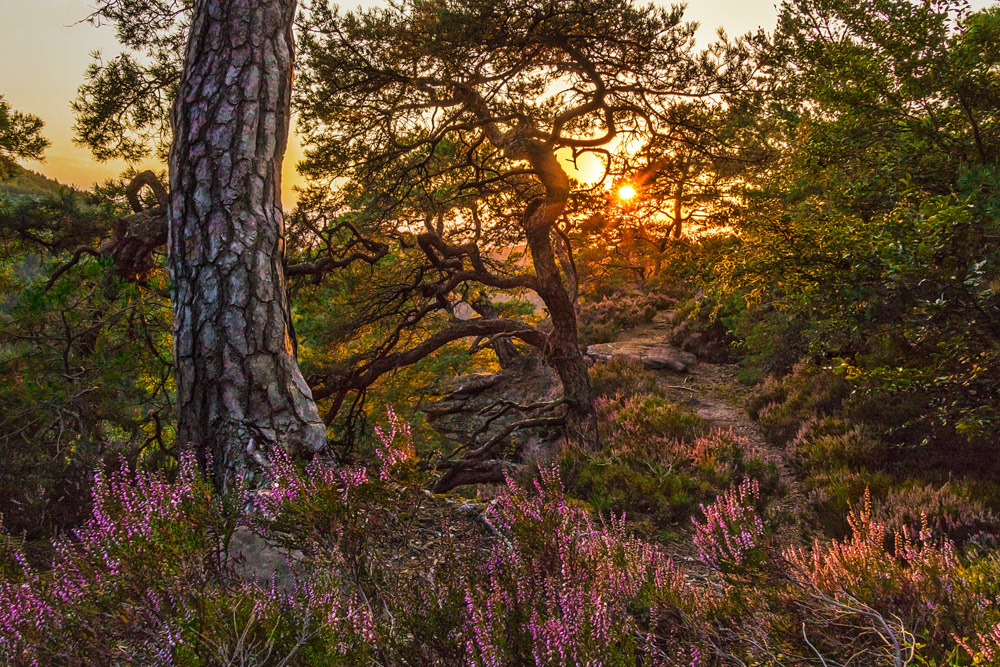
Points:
x=455, y=127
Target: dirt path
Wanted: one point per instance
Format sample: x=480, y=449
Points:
x=715, y=394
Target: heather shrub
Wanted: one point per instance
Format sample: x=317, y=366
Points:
x=984, y=647
x=833, y=442
x=948, y=510
x=832, y=491
x=122, y=586
x=147, y=578
x=782, y=404
x=657, y=462
x=601, y=320
x=730, y=536
x=623, y=309
x=382, y=572
x=646, y=418
x=389, y=601
x=625, y=377
x=906, y=575
x=980, y=638
x=701, y=331
x=653, y=497
x=562, y=590
x=593, y=333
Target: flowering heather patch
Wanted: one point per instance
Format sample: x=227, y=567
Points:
x=658, y=461
x=732, y=530
x=903, y=575
x=387, y=573
x=985, y=648
x=950, y=510
x=782, y=404
x=623, y=376
x=145, y=533
x=559, y=589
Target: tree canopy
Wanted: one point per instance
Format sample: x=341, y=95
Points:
x=20, y=137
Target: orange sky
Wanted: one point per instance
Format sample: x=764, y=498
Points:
x=44, y=50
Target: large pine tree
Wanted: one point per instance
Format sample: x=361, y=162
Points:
x=239, y=388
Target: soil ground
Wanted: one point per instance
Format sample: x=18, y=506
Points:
x=715, y=394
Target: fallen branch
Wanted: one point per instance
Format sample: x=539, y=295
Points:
x=460, y=473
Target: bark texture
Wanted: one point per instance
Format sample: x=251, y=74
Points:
x=239, y=387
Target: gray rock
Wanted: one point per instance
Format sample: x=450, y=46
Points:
x=256, y=559
x=467, y=385
x=665, y=357
x=600, y=352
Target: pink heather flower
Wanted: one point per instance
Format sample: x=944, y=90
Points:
x=732, y=527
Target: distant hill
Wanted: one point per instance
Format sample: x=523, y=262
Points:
x=26, y=182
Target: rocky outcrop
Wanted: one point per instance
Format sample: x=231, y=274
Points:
x=648, y=344
x=656, y=356
x=665, y=357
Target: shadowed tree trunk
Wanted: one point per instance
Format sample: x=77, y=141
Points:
x=239, y=388
x=561, y=351
x=507, y=354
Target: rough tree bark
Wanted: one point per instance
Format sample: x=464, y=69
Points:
x=561, y=350
x=239, y=388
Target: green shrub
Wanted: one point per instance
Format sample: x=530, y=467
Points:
x=832, y=491
x=658, y=462
x=647, y=418
x=833, y=442
x=782, y=404
x=623, y=376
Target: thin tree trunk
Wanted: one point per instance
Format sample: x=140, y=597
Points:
x=677, y=227
x=562, y=351
x=236, y=372
x=507, y=354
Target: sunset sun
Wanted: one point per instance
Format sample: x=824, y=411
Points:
x=626, y=192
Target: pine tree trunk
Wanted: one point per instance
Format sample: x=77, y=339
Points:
x=236, y=372
x=562, y=351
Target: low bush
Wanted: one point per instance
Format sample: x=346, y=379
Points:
x=731, y=534
x=381, y=572
x=833, y=442
x=703, y=333
x=782, y=404
x=658, y=461
x=648, y=419
x=945, y=511
x=624, y=377
x=601, y=321
x=901, y=585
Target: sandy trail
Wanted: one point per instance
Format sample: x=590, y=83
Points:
x=715, y=394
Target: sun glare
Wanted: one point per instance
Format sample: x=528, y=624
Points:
x=626, y=192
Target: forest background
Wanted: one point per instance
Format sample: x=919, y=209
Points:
x=812, y=211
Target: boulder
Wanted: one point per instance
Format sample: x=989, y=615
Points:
x=600, y=352
x=665, y=357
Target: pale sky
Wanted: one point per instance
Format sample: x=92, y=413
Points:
x=44, y=50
